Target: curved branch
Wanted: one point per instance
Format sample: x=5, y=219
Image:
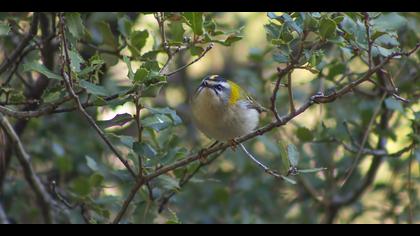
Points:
x=46, y=202
x=25, y=41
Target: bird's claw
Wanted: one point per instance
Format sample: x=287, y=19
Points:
x=233, y=144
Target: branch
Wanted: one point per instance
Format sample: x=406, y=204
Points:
x=377, y=152
x=44, y=199
x=290, y=92
x=209, y=47
x=338, y=201
x=25, y=41
x=67, y=78
x=185, y=179
x=364, y=139
x=280, y=74
x=369, y=40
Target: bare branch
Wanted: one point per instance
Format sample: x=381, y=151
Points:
x=209, y=47
x=44, y=199
x=290, y=92
x=364, y=139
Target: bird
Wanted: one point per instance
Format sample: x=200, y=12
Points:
x=223, y=111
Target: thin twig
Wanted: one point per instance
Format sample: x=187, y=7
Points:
x=185, y=179
x=260, y=164
x=25, y=41
x=65, y=202
x=67, y=78
x=364, y=139
x=44, y=199
x=290, y=92
x=208, y=48
x=280, y=74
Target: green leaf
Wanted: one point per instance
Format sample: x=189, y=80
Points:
x=284, y=158
x=157, y=122
x=388, y=22
x=195, y=21
x=167, y=111
x=280, y=58
x=293, y=154
x=93, y=88
x=304, y=134
x=327, y=28
x=177, y=31
x=393, y=104
x=231, y=39
x=196, y=51
x=124, y=26
x=108, y=37
x=75, y=60
x=91, y=163
x=4, y=29
x=378, y=50
x=75, y=24
x=118, y=120
x=130, y=70
x=144, y=150
x=289, y=180
x=377, y=34
x=138, y=39
x=35, y=66
x=96, y=180
x=141, y=75
x=313, y=170
x=81, y=186
x=168, y=183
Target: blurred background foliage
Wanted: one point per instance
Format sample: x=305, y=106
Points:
x=112, y=53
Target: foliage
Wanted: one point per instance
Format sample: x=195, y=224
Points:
x=342, y=89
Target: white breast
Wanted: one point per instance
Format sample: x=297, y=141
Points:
x=221, y=121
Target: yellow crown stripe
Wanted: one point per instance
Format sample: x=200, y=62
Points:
x=235, y=92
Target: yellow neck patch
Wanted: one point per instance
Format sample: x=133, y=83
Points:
x=235, y=92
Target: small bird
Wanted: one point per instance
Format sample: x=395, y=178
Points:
x=224, y=111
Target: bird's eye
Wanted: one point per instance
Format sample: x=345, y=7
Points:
x=219, y=87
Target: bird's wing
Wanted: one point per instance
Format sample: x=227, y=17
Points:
x=253, y=104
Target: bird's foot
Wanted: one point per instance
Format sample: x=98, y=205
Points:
x=201, y=157
x=233, y=144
